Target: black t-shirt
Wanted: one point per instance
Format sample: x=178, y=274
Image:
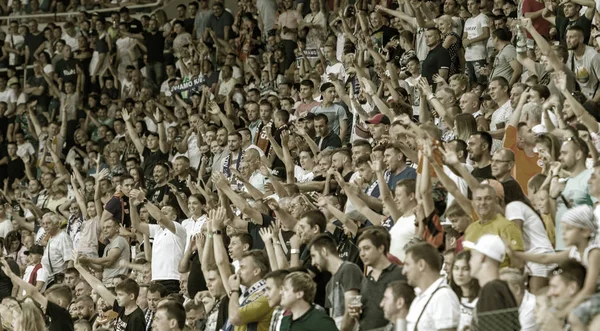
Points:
x=155, y=45
x=563, y=23
x=34, y=81
x=188, y=25
x=33, y=41
x=196, y=281
x=480, y=174
x=135, y=26
x=59, y=318
x=157, y=194
x=67, y=69
x=253, y=230
x=437, y=58
x=321, y=277
x=513, y=192
x=15, y=169
x=101, y=46
x=383, y=35
x=496, y=303
x=132, y=322
x=6, y=285
x=118, y=205
x=150, y=160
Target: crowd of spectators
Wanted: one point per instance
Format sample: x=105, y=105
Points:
x=300, y=165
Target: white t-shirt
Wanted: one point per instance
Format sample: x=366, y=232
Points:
x=473, y=29
x=401, y=233
x=440, y=312
x=535, y=237
x=5, y=227
x=167, y=251
x=41, y=275
x=192, y=227
x=527, y=313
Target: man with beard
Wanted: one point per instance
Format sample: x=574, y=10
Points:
x=584, y=62
x=234, y=158
x=572, y=16
x=221, y=140
x=479, y=147
x=346, y=276
x=85, y=308
x=181, y=173
x=326, y=138
x=438, y=58
x=160, y=193
x=574, y=190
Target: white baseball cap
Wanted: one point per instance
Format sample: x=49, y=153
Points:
x=489, y=245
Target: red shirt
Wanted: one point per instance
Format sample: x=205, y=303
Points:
x=540, y=24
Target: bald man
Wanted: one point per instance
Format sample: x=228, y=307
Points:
x=469, y=103
x=502, y=163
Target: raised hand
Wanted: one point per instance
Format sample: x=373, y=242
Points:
x=218, y=218
x=560, y=80
x=295, y=242
x=266, y=234
x=424, y=86
x=125, y=115
x=450, y=157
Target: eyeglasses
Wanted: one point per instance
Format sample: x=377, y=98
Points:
x=557, y=272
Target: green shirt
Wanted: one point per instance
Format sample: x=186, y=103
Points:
x=313, y=319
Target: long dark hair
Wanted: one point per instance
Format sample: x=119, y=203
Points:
x=473, y=284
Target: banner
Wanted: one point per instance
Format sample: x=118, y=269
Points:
x=189, y=85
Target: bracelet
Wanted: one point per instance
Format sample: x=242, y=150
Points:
x=277, y=242
x=234, y=291
x=295, y=251
x=431, y=97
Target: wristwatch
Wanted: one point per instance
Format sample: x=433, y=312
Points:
x=233, y=291
x=219, y=232
x=295, y=251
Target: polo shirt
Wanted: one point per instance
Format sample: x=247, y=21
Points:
x=313, y=319
x=115, y=269
x=437, y=58
x=437, y=306
x=330, y=140
x=167, y=251
x=372, y=315
x=218, y=24
x=499, y=226
x=407, y=173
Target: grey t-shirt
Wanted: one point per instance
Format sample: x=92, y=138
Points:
x=347, y=278
x=114, y=270
x=545, y=78
x=502, y=61
x=586, y=70
x=335, y=114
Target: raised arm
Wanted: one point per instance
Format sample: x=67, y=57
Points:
x=139, y=146
x=135, y=217
x=95, y=283
x=237, y=200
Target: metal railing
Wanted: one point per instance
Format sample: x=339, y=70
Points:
x=158, y=3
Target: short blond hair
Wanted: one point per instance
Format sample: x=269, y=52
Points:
x=301, y=281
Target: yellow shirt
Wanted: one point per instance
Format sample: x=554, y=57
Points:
x=500, y=226
x=256, y=312
x=549, y=223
